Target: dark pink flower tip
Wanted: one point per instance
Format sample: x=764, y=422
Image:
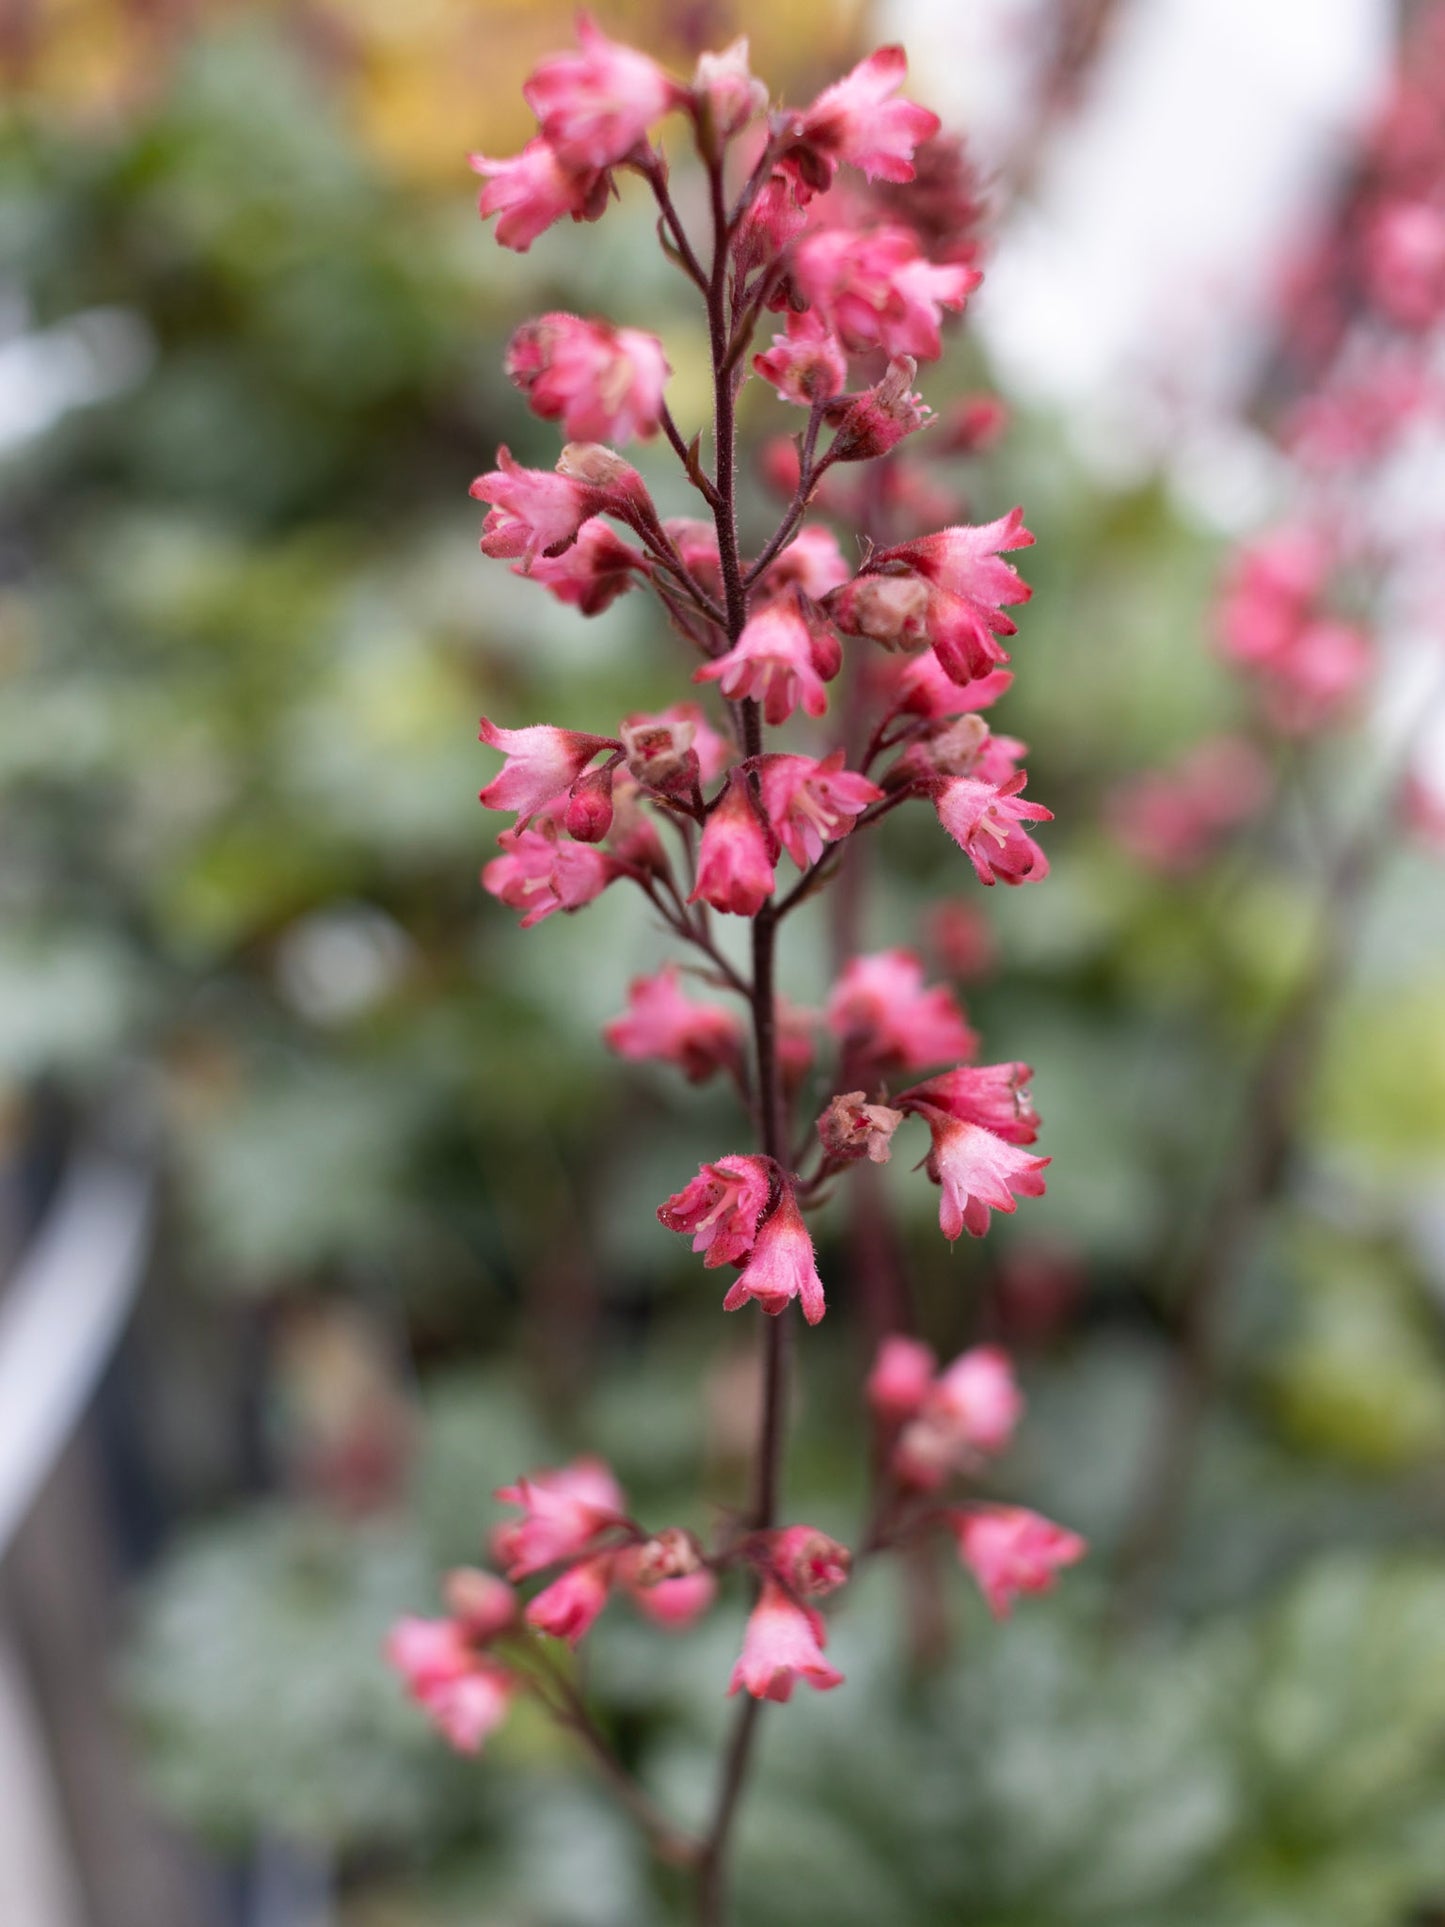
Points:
x=596, y=105
x=880, y=1009
x=664, y=1025
x=811, y=804
x=857, y=120
x=562, y=1512
x=782, y=1265
x=977, y=1173
x=901, y=1378
x=737, y=853
x=782, y=659
x=1012, y=1551
x=542, y=764
x=807, y=1561
x=986, y=821
x=533, y=189
x=721, y=1207
x=783, y=1643
x=603, y=384
x=567, y=1608
x=993, y=1095
x=587, y=815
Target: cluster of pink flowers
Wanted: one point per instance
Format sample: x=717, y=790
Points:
x=934, y=1426
x=812, y=221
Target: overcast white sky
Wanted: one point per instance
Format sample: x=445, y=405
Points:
x=1129, y=292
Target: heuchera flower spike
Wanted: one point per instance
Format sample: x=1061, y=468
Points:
x=861, y=270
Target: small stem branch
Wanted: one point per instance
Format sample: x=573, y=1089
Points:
x=808, y=475
x=657, y=178
x=570, y=1710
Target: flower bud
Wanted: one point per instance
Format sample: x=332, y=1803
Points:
x=725, y=93
x=949, y=749
x=660, y=754
x=808, y=1561
x=672, y=1553
x=588, y=816
x=851, y=1128
x=891, y=609
x=621, y=489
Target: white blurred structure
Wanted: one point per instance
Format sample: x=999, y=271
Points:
x=1129, y=290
